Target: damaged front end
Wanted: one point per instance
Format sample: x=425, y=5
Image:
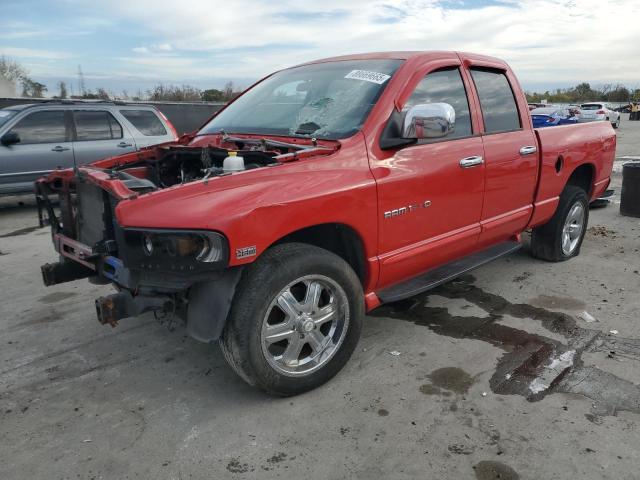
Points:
x=181, y=272
x=169, y=272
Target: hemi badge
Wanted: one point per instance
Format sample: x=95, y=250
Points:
x=245, y=252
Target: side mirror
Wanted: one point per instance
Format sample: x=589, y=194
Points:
x=429, y=120
x=10, y=138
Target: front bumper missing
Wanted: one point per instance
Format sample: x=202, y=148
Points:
x=120, y=305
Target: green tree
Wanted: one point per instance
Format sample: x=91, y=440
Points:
x=213, y=95
x=33, y=89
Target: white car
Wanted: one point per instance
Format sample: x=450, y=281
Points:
x=594, y=111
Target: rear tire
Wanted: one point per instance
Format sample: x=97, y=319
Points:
x=295, y=319
x=561, y=238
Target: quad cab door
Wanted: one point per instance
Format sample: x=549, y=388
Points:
x=510, y=151
x=430, y=193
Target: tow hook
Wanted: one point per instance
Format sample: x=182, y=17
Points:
x=120, y=305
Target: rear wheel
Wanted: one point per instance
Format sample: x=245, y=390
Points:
x=561, y=238
x=295, y=320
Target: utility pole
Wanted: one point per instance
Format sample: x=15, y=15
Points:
x=81, y=87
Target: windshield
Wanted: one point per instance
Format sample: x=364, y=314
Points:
x=5, y=115
x=324, y=100
x=591, y=106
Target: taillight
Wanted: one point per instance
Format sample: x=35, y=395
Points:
x=170, y=125
x=600, y=112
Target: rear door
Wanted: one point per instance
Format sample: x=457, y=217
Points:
x=99, y=135
x=510, y=152
x=45, y=144
x=430, y=193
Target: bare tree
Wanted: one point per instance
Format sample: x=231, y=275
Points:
x=185, y=93
x=11, y=74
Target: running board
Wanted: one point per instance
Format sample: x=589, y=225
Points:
x=445, y=273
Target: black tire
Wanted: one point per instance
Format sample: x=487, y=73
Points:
x=546, y=240
x=260, y=284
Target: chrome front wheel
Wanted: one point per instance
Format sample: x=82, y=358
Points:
x=305, y=325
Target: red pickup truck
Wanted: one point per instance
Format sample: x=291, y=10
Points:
x=322, y=192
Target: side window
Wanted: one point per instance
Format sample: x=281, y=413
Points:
x=145, y=121
x=96, y=125
x=497, y=102
x=42, y=127
x=445, y=86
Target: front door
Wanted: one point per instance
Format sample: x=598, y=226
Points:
x=44, y=146
x=430, y=194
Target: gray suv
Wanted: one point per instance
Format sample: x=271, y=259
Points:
x=38, y=138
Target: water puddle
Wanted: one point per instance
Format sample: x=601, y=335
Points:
x=533, y=365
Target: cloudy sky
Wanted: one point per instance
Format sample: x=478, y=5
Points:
x=132, y=44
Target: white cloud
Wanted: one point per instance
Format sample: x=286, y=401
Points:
x=544, y=40
x=19, y=52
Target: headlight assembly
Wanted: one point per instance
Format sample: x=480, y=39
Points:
x=174, y=250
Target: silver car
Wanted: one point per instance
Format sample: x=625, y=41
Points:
x=598, y=111
x=38, y=138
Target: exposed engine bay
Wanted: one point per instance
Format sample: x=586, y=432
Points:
x=179, y=164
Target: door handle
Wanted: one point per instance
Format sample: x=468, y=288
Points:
x=528, y=150
x=59, y=149
x=471, y=161
x=125, y=145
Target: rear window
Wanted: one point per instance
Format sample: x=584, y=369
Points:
x=499, y=109
x=96, y=125
x=591, y=106
x=145, y=121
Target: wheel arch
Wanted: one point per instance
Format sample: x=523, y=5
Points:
x=337, y=238
x=583, y=176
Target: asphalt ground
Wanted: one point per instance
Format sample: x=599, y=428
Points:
x=454, y=400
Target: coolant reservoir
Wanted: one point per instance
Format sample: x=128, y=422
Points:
x=233, y=163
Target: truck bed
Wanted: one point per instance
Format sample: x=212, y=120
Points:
x=561, y=150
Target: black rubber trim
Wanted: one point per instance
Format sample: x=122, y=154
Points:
x=446, y=273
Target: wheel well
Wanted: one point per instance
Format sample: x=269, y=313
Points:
x=337, y=238
x=583, y=177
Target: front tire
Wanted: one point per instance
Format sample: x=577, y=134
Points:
x=295, y=320
x=561, y=238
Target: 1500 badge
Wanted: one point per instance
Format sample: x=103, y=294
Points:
x=245, y=252
x=408, y=209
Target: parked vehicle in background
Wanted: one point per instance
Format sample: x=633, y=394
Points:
x=533, y=106
x=36, y=139
x=320, y=193
x=597, y=111
x=623, y=108
x=552, y=116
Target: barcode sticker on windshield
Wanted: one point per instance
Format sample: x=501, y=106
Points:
x=373, y=77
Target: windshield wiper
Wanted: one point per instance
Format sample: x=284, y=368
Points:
x=274, y=143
